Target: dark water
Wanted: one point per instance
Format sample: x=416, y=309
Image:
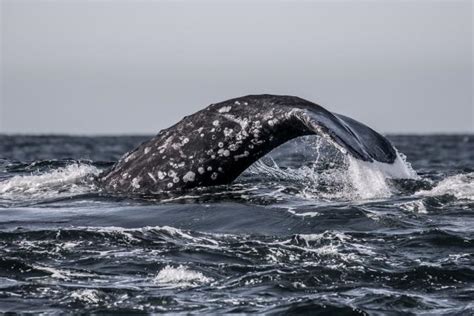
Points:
x=320, y=233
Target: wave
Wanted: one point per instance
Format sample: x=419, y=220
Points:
x=461, y=186
x=180, y=277
x=97, y=269
x=165, y=245
x=87, y=296
x=75, y=178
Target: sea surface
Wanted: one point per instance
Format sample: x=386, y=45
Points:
x=306, y=229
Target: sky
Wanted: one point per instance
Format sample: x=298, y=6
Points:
x=135, y=67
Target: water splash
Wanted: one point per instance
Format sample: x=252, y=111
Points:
x=369, y=180
x=460, y=186
x=76, y=178
x=332, y=174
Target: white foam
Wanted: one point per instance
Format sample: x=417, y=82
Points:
x=335, y=244
x=353, y=180
x=180, y=277
x=334, y=236
x=303, y=214
x=460, y=186
x=62, y=274
x=415, y=207
x=88, y=296
x=59, y=182
x=369, y=179
x=197, y=241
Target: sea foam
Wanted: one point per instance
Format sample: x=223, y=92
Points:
x=460, y=186
x=72, y=179
x=180, y=277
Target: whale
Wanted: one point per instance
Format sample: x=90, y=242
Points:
x=216, y=144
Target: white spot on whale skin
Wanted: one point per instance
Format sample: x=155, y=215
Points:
x=166, y=144
x=225, y=109
x=209, y=168
x=201, y=170
x=189, y=176
x=130, y=156
x=243, y=122
x=221, y=144
x=255, y=141
x=175, y=179
x=226, y=153
x=228, y=131
x=161, y=175
x=136, y=183
x=214, y=176
x=215, y=123
x=245, y=154
x=169, y=185
x=233, y=147
x=171, y=174
x=152, y=177
x=147, y=150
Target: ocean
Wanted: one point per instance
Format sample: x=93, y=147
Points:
x=305, y=230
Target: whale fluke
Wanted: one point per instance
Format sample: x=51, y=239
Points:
x=215, y=145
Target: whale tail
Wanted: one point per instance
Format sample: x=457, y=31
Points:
x=349, y=135
x=215, y=145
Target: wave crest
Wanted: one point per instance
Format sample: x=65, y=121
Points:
x=460, y=186
x=76, y=178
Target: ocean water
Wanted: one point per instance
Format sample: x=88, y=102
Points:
x=306, y=229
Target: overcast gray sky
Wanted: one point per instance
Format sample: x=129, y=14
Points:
x=125, y=67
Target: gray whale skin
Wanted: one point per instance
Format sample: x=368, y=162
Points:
x=215, y=145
